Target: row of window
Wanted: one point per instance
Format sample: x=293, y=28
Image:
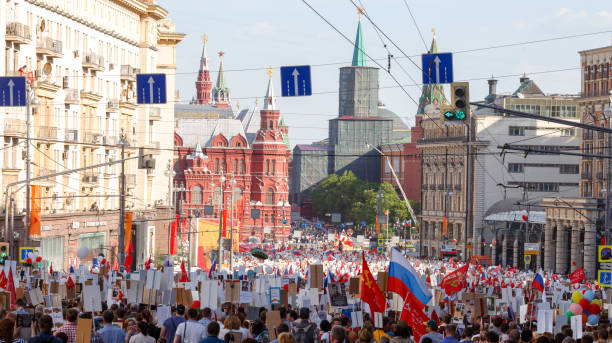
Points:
x=559, y=111
x=563, y=168
x=597, y=71
x=520, y=131
x=542, y=186
x=197, y=192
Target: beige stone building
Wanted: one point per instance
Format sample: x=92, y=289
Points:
x=83, y=57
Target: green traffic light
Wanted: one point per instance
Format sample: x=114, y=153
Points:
x=449, y=115
x=460, y=115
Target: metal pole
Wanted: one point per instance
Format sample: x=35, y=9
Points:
x=221, y=209
x=27, y=165
x=121, y=251
x=468, y=190
x=608, y=177
x=231, y=250
x=12, y=239
x=170, y=199
x=189, y=239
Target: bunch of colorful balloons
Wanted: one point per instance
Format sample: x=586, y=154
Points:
x=584, y=305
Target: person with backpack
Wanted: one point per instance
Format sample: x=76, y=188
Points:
x=304, y=330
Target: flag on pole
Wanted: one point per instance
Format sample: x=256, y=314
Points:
x=35, y=213
x=370, y=293
x=128, y=229
x=455, y=281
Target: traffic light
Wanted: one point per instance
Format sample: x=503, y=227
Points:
x=4, y=252
x=459, y=109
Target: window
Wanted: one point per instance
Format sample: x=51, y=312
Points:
x=269, y=196
x=270, y=125
x=216, y=165
x=242, y=166
x=568, y=132
x=515, y=167
x=94, y=241
x=52, y=248
x=516, y=131
x=568, y=169
x=273, y=167
x=196, y=195
x=267, y=167
x=235, y=170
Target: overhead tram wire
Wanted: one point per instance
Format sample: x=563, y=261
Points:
x=415, y=24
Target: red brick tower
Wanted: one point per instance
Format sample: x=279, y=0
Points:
x=269, y=164
x=203, y=84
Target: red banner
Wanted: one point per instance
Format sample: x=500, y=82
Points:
x=370, y=293
x=455, y=281
x=577, y=276
x=173, y=233
x=413, y=315
x=35, y=213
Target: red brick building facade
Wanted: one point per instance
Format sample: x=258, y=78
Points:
x=247, y=154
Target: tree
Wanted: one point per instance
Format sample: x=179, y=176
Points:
x=356, y=199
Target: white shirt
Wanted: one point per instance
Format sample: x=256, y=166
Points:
x=140, y=338
x=194, y=332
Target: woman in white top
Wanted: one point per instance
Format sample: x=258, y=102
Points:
x=142, y=336
x=232, y=325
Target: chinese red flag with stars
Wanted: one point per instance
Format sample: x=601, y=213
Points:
x=370, y=293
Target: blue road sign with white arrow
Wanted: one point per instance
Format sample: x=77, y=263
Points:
x=295, y=81
x=13, y=91
x=151, y=88
x=437, y=68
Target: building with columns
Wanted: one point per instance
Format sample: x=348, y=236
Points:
x=82, y=59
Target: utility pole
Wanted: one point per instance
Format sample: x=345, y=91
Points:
x=123, y=142
x=231, y=249
x=29, y=99
x=221, y=209
x=170, y=173
x=608, y=115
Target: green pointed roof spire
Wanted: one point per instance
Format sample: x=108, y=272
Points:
x=432, y=93
x=434, y=43
x=359, y=58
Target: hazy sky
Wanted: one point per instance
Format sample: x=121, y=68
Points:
x=257, y=34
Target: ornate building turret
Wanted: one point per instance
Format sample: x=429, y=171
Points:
x=203, y=84
x=221, y=93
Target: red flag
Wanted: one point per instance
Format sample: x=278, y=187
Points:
x=413, y=315
x=434, y=316
x=128, y=258
x=455, y=281
x=184, y=276
x=575, y=277
x=3, y=280
x=370, y=293
x=148, y=263
x=69, y=282
x=173, y=234
x=224, y=219
x=51, y=268
x=11, y=287
x=120, y=296
x=115, y=265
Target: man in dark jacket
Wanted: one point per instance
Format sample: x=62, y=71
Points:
x=45, y=324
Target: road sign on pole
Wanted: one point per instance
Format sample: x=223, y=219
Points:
x=437, y=68
x=295, y=81
x=12, y=91
x=151, y=88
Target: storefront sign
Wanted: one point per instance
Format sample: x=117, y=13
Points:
x=532, y=248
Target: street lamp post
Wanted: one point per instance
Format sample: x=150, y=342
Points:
x=232, y=182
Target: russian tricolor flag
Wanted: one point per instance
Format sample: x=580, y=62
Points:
x=538, y=282
x=212, y=269
x=404, y=280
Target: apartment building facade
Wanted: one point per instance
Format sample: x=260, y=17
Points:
x=82, y=57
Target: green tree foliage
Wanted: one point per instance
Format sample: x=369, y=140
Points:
x=355, y=199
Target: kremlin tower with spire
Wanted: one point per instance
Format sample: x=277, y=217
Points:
x=234, y=169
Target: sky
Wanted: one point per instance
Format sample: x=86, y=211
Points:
x=258, y=34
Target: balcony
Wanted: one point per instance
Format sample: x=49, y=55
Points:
x=110, y=140
x=112, y=105
x=92, y=138
x=47, y=132
x=90, y=179
x=73, y=96
x=587, y=175
x=457, y=187
x=128, y=73
x=72, y=135
x=49, y=47
x=93, y=62
x=440, y=187
x=155, y=113
x=18, y=33
x=14, y=127
x=130, y=180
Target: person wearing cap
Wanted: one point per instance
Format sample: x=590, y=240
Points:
x=169, y=326
x=432, y=332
